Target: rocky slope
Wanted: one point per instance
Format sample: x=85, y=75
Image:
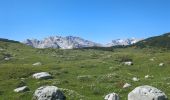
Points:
x=68, y=42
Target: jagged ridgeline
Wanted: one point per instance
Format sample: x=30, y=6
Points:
x=162, y=41
x=71, y=42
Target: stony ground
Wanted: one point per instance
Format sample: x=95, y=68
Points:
x=85, y=74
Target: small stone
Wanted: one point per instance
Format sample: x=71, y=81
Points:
x=161, y=64
x=42, y=75
x=7, y=58
x=129, y=63
x=126, y=85
x=112, y=96
x=37, y=64
x=151, y=59
x=21, y=89
x=22, y=78
x=135, y=79
x=148, y=76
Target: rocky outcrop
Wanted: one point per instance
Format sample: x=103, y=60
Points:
x=146, y=93
x=68, y=42
x=48, y=93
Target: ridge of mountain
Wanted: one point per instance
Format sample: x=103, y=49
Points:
x=161, y=41
x=70, y=42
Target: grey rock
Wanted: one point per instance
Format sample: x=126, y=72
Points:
x=42, y=75
x=161, y=64
x=37, y=64
x=112, y=96
x=126, y=85
x=146, y=93
x=135, y=79
x=129, y=63
x=152, y=59
x=21, y=89
x=7, y=58
x=148, y=76
x=48, y=93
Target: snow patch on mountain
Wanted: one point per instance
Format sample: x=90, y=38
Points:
x=125, y=42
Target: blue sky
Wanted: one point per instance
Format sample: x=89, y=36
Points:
x=96, y=20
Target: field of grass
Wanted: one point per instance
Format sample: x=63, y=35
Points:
x=85, y=74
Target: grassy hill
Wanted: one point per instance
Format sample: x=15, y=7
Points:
x=162, y=41
x=6, y=40
x=87, y=74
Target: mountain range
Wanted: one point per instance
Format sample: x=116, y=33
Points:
x=71, y=42
x=68, y=42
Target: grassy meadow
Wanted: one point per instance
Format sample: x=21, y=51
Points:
x=82, y=74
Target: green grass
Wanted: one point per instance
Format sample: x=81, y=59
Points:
x=89, y=74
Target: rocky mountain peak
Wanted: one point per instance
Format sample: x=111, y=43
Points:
x=67, y=42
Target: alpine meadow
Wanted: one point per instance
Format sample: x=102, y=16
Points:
x=84, y=49
x=84, y=73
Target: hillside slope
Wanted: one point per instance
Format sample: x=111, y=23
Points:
x=6, y=40
x=162, y=41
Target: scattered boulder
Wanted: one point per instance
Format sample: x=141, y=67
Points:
x=112, y=96
x=135, y=79
x=42, y=75
x=129, y=63
x=37, y=64
x=21, y=89
x=146, y=93
x=48, y=93
x=126, y=85
x=161, y=64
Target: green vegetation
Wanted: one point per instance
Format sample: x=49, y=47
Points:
x=87, y=74
x=162, y=41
